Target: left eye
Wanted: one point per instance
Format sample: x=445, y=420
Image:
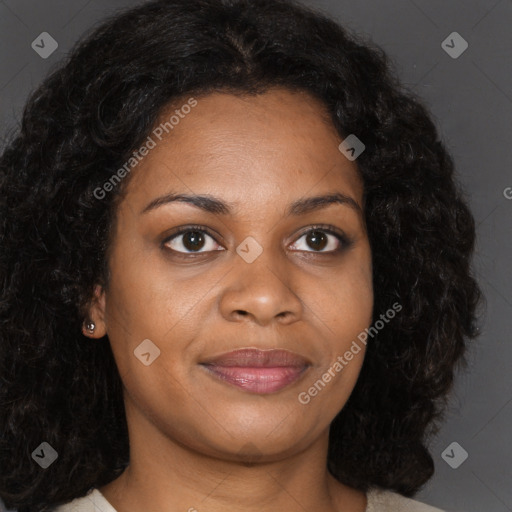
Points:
x=318, y=238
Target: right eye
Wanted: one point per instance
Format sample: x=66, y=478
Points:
x=190, y=240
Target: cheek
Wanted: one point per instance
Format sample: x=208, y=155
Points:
x=343, y=313
x=356, y=295
x=355, y=304
x=145, y=302
x=345, y=305
x=143, y=295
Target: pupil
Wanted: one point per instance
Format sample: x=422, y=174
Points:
x=195, y=238
x=317, y=237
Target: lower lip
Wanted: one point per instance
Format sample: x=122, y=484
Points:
x=257, y=380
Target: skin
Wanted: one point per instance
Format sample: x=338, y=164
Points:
x=197, y=443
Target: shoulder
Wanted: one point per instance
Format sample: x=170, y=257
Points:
x=93, y=501
x=383, y=500
x=379, y=500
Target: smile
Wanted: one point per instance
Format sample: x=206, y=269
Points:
x=257, y=380
x=258, y=371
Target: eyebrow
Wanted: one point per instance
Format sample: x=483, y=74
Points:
x=216, y=206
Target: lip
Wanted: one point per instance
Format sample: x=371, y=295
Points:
x=258, y=371
x=256, y=358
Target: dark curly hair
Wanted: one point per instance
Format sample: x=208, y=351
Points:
x=87, y=118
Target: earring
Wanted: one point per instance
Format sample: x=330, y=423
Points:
x=90, y=326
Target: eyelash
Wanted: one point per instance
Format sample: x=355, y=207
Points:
x=345, y=242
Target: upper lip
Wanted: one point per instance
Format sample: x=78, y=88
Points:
x=253, y=357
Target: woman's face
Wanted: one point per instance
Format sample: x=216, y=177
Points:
x=254, y=278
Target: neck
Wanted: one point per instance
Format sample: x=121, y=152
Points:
x=164, y=475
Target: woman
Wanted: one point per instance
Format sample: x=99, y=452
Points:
x=236, y=271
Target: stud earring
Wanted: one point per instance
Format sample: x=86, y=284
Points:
x=90, y=326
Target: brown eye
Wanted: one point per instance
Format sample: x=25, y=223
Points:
x=317, y=240
x=322, y=240
x=190, y=241
x=193, y=240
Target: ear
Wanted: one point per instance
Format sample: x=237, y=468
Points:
x=96, y=314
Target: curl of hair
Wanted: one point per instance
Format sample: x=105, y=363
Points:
x=82, y=124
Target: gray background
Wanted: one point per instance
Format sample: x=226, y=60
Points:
x=471, y=101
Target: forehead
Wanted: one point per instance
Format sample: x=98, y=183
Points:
x=275, y=145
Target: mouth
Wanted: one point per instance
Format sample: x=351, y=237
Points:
x=258, y=371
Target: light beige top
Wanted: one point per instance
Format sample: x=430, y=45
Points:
x=379, y=500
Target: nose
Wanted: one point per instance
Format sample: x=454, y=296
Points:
x=263, y=291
